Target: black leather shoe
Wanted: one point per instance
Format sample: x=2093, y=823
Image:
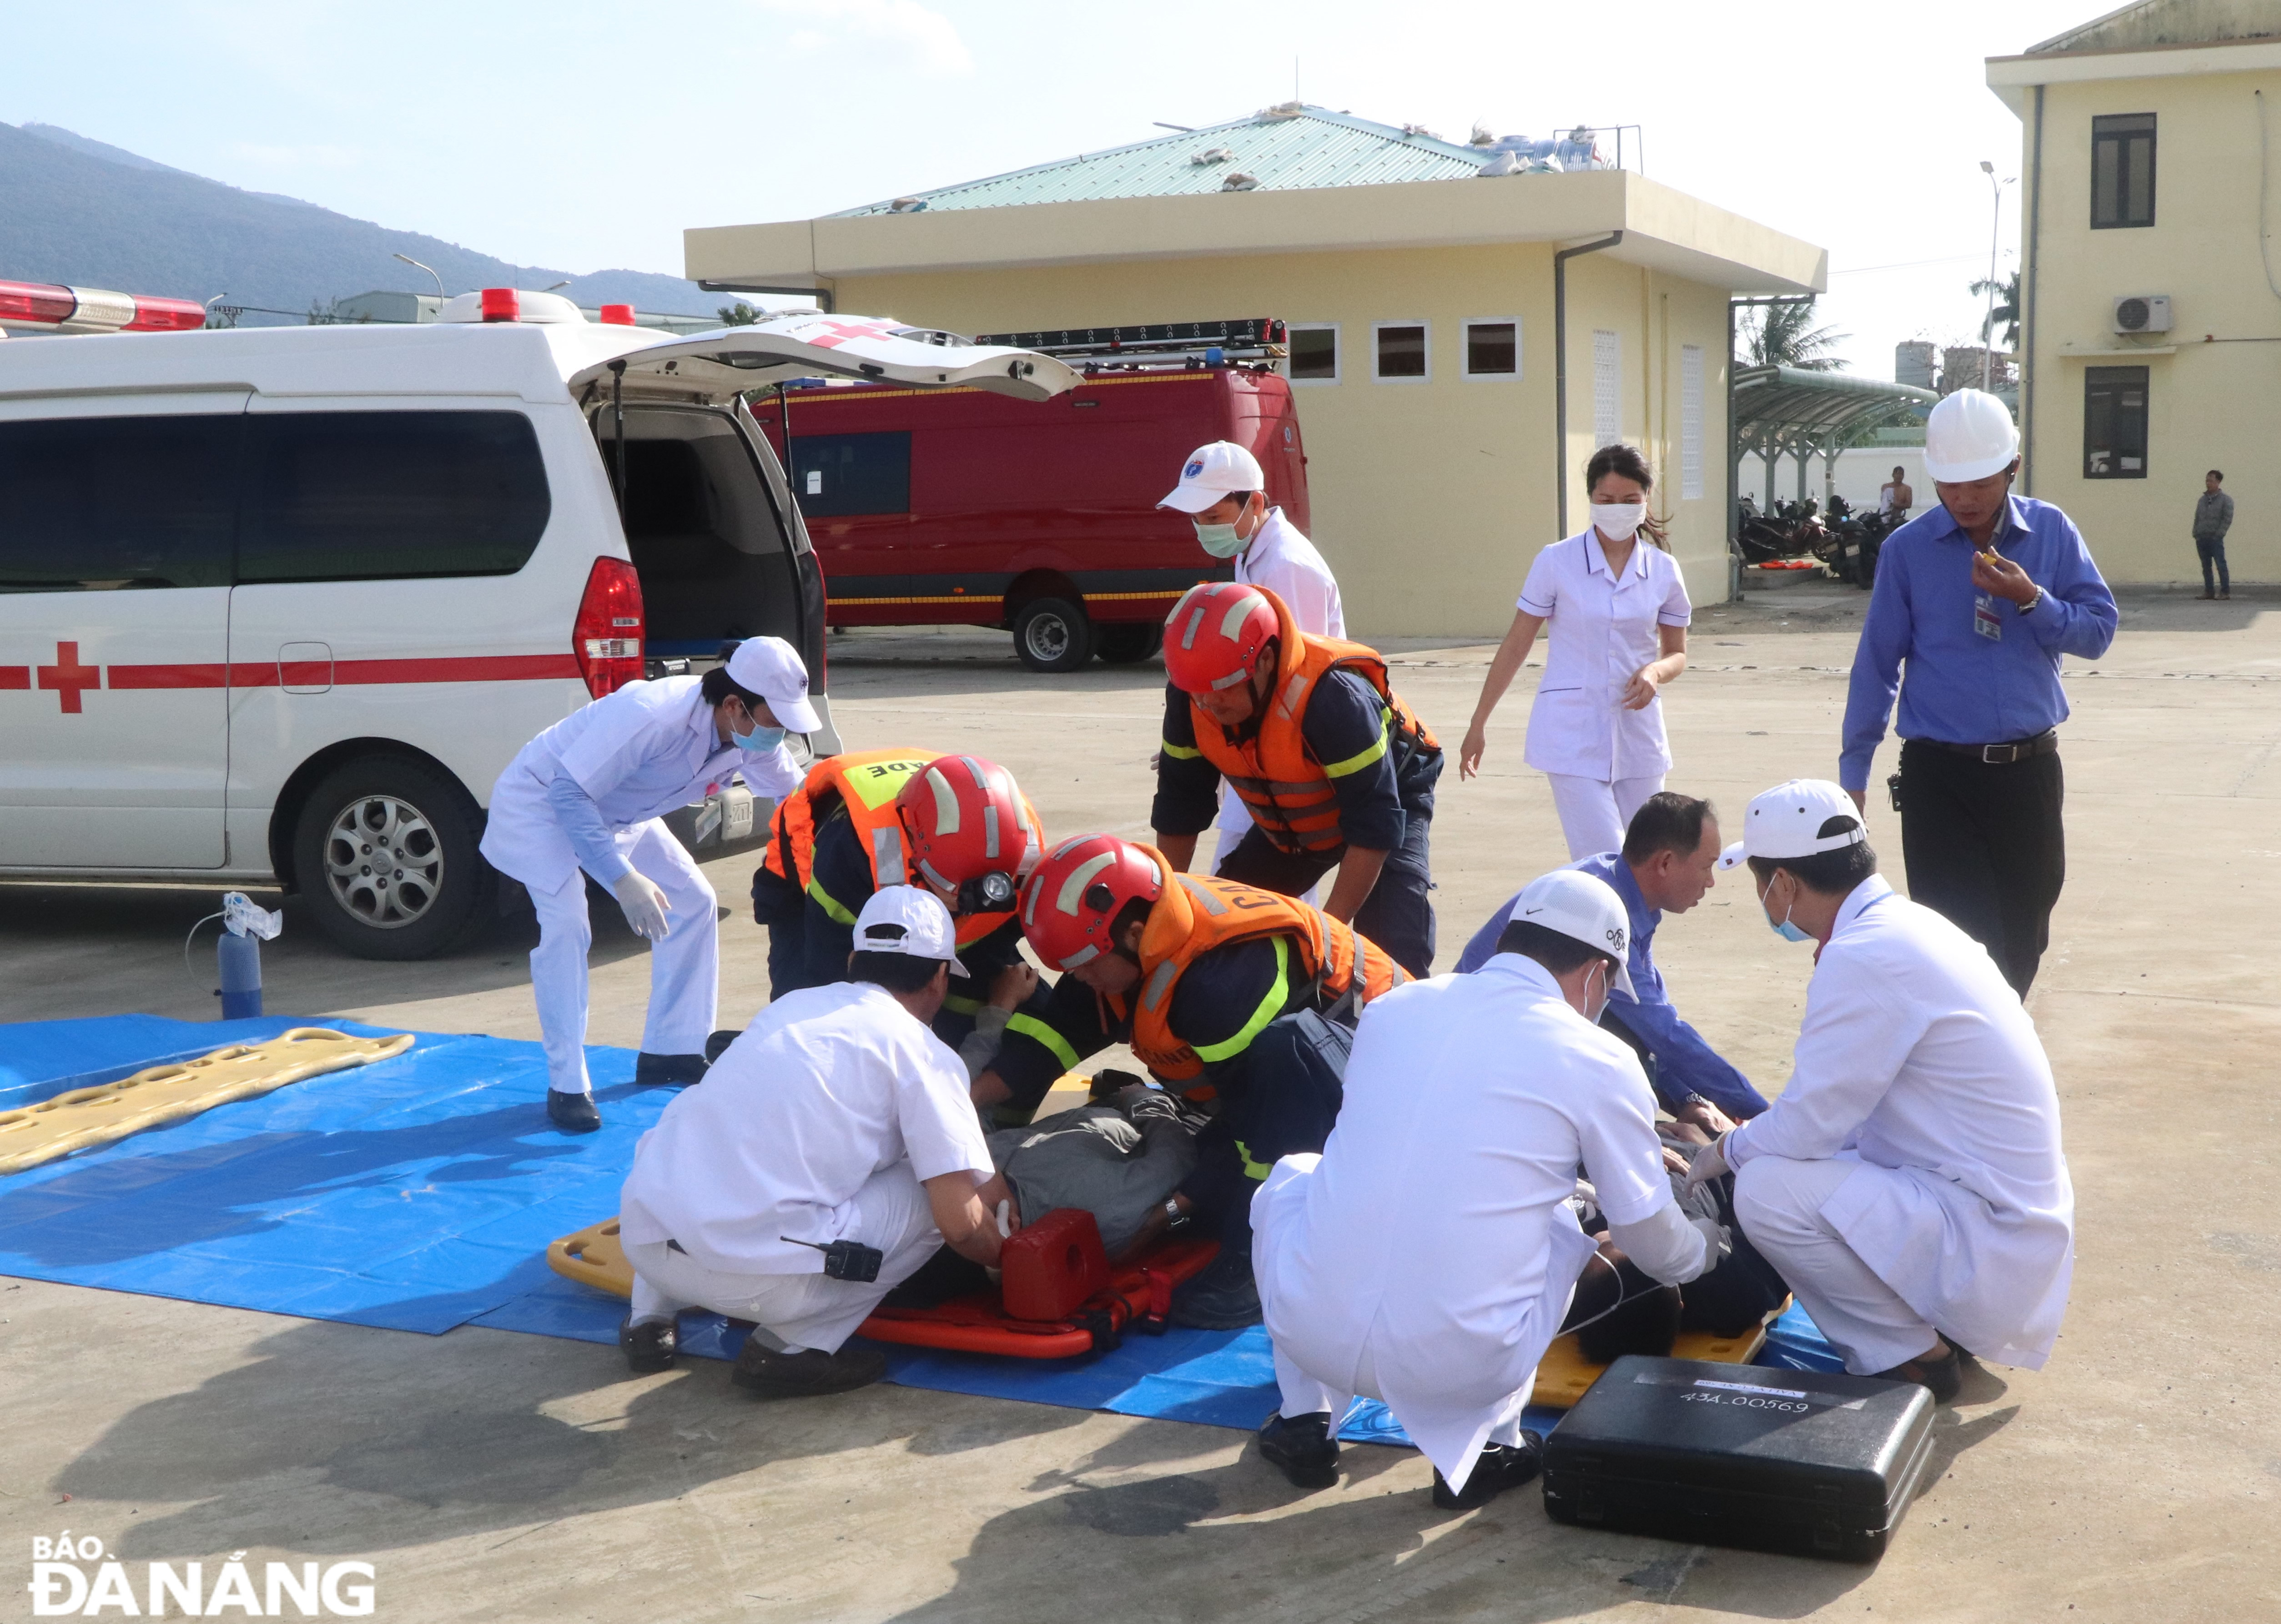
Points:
x=1944, y=1377
x=1301, y=1447
x=649, y=1347
x=669, y=1071
x=805, y=1374
x=573, y=1113
x=1223, y=1297
x=1501, y=1467
x=717, y=1045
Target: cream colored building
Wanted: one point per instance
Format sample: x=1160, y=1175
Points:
x=1432, y=485
x=2149, y=137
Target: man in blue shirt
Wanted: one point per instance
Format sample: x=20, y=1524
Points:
x=1664, y=867
x=1974, y=603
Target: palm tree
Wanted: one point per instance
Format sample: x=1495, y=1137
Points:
x=1785, y=336
x=739, y=315
x=2006, y=309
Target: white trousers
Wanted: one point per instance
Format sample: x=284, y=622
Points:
x=1780, y=1204
x=793, y=1311
x=1594, y=813
x=1305, y=1395
x=685, y=968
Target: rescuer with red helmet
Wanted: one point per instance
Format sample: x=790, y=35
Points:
x=1238, y=999
x=956, y=826
x=1335, y=770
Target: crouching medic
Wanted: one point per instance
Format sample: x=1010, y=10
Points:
x=831, y=1152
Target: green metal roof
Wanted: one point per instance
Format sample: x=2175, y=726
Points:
x=1284, y=149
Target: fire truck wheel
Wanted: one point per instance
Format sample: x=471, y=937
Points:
x=1053, y=634
x=385, y=854
x=1129, y=642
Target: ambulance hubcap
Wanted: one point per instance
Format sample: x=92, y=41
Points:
x=383, y=861
x=1048, y=637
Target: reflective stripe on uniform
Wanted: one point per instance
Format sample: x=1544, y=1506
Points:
x=962, y=1006
x=1038, y=1032
x=1269, y=1007
x=1251, y=1170
x=824, y=901
x=1180, y=753
x=1202, y=895
x=1363, y=757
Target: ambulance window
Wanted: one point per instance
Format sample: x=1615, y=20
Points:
x=92, y=503
x=835, y=475
x=380, y=496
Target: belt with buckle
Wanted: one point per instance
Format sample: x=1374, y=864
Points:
x=2003, y=755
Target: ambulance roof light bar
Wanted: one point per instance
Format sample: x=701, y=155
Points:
x=1155, y=343
x=96, y=310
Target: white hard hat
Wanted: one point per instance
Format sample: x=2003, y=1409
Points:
x=1786, y=821
x=1970, y=435
x=769, y=668
x=905, y=919
x=1583, y=908
x=1213, y=474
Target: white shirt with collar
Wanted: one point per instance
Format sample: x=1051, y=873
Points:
x=639, y=753
x=829, y=1085
x=1285, y=562
x=1601, y=630
x=1916, y=1056
x=1430, y=1248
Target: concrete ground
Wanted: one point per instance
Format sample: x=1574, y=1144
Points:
x=507, y=1477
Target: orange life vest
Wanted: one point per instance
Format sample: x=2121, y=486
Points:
x=863, y=784
x=1198, y=913
x=1287, y=792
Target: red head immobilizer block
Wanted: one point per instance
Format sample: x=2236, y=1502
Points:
x=1054, y=1265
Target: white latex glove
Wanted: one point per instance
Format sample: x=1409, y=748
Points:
x=1720, y=1244
x=644, y=905
x=1710, y=1163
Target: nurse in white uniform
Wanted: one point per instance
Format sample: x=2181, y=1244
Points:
x=1618, y=613
x=1223, y=492
x=1908, y=1183
x=1427, y=1256
x=589, y=793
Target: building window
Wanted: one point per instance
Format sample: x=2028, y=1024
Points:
x=1493, y=347
x=2114, y=422
x=1399, y=351
x=1607, y=387
x=1691, y=422
x=2122, y=171
x=1314, y=356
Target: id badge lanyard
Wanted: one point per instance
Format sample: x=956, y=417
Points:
x=1985, y=620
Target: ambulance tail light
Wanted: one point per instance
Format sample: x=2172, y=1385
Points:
x=618, y=315
x=501, y=305
x=608, y=636
x=165, y=316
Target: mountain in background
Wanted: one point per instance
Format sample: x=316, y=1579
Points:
x=85, y=213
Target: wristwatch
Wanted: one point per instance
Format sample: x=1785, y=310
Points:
x=1173, y=1217
x=2030, y=606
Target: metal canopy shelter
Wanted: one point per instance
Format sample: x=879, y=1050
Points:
x=1787, y=412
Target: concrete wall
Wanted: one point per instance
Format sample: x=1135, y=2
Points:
x=1859, y=473
x=1429, y=498
x=2210, y=404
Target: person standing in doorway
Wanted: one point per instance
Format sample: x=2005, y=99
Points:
x=1977, y=597
x=1619, y=613
x=2213, y=518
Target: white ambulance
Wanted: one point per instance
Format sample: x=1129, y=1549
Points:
x=278, y=605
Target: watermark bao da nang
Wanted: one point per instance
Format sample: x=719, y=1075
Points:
x=77, y=1577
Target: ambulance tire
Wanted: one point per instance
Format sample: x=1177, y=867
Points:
x=1053, y=634
x=1128, y=642
x=436, y=889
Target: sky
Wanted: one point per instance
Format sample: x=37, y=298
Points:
x=589, y=136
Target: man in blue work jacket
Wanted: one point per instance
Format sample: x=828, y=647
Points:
x=1666, y=864
x=1975, y=601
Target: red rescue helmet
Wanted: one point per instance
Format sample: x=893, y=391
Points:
x=966, y=822
x=1214, y=634
x=1071, y=902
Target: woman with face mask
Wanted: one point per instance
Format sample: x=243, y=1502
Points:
x=1619, y=611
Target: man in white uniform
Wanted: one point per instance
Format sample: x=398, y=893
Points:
x=1223, y=492
x=1428, y=1255
x=1908, y=1183
x=831, y=1152
x=589, y=793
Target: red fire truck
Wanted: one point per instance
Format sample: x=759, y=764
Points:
x=956, y=507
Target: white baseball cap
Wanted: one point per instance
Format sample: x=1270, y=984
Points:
x=1970, y=435
x=905, y=919
x=1584, y=908
x=1213, y=474
x=1787, y=820
x=767, y=666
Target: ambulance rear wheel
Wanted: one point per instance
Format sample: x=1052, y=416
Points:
x=385, y=855
x=1128, y=642
x=1053, y=634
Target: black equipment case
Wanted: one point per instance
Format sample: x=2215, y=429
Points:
x=1806, y=1462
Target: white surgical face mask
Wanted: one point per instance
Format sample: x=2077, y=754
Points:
x=1782, y=927
x=1592, y=1011
x=1617, y=521
x=1220, y=540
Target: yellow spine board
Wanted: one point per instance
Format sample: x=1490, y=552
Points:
x=594, y=1257
x=1564, y=1373
x=85, y=1117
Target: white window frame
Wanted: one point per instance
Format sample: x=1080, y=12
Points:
x=1693, y=362
x=1465, y=349
x=1607, y=403
x=1426, y=327
x=1338, y=355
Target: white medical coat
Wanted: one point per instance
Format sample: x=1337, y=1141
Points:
x=638, y=753
x=1601, y=630
x=1916, y=1055
x=1434, y=1235
x=1285, y=562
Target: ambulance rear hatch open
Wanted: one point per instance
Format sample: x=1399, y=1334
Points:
x=813, y=345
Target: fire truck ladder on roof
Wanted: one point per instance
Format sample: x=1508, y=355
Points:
x=1257, y=338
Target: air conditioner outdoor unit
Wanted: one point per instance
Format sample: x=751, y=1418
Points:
x=2143, y=312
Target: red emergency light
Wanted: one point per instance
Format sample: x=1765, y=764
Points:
x=618, y=315
x=501, y=305
x=53, y=305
